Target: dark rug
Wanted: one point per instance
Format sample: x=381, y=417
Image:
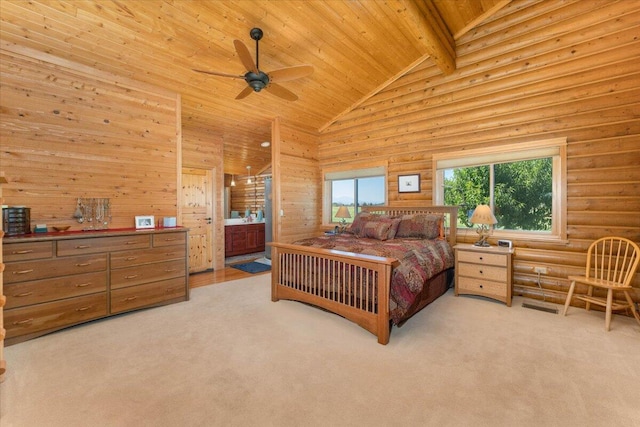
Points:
x=252, y=267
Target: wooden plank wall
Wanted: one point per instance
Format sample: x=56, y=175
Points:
x=297, y=183
x=69, y=131
x=550, y=69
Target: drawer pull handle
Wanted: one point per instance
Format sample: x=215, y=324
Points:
x=23, y=271
x=169, y=239
x=480, y=258
x=23, y=322
x=131, y=298
x=169, y=270
x=481, y=287
x=82, y=285
x=26, y=251
x=133, y=276
x=83, y=308
x=83, y=246
x=24, y=294
x=83, y=264
x=130, y=243
x=480, y=271
x=131, y=258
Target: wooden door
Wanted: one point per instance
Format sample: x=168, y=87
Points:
x=197, y=214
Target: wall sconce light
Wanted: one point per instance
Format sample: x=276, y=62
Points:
x=249, y=173
x=482, y=215
x=233, y=180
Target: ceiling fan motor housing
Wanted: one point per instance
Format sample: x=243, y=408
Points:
x=257, y=81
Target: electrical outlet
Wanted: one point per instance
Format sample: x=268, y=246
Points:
x=540, y=270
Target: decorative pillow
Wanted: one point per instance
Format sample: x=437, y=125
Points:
x=424, y=226
x=358, y=222
x=376, y=230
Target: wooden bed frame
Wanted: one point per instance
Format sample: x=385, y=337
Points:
x=290, y=280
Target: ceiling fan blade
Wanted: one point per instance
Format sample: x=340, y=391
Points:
x=245, y=92
x=245, y=56
x=281, y=92
x=290, y=73
x=215, y=73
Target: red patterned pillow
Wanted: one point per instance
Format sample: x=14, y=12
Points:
x=358, y=222
x=376, y=229
x=424, y=226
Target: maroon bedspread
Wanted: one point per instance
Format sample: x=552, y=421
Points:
x=419, y=259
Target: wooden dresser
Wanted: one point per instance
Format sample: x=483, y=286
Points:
x=484, y=271
x=3, y=299
x=56, y=280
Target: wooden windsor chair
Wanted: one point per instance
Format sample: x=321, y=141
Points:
x=611, y=264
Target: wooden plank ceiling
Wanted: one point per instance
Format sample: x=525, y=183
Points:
x=355, y=47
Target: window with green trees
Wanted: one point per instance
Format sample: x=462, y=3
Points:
x=519, y=192
x=523, y=184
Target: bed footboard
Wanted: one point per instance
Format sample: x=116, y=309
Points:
x=354, y=286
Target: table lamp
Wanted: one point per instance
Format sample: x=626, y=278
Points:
x=343, y=213
x=483, y=216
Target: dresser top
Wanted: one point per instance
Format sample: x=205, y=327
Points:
x=65, y=235
x=485, y=249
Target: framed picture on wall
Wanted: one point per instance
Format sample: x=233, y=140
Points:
x=145, y=221
x=409, y=183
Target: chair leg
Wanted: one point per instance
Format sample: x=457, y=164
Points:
x=632, y=306
x=569, y=295
x=589, y=293
x=607, y=323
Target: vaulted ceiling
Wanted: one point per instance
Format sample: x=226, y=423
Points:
x=356, y=47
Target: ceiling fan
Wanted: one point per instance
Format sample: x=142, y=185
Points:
x=258, y=79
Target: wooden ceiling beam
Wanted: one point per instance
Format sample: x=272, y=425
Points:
x=430, y=31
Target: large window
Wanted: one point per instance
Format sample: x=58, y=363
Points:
x=353, y=189
x=524, y=184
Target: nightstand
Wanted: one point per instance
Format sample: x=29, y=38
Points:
x=484, y=271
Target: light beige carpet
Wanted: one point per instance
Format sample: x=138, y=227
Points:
x=231, y=357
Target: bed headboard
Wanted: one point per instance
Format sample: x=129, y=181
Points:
x=450, y=214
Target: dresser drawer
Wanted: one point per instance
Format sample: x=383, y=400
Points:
x=26, y=251
x=487, y=288
x=138, y=257
x=482, y=258
x=102, y=244
x=485, y=272
x=34, y=270
x=52, y=315
x=131, y=276
x=39, y=291
x=151, y=293
x=169, y=239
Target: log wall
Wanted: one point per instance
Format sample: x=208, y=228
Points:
x=550, y=69
x=69, y=131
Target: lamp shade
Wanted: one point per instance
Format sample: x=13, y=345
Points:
x=483, y=215
x=343, y=212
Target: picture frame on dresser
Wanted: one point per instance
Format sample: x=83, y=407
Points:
x=409, y=183
x=145, y=221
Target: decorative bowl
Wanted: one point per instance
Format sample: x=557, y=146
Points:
x=61, y=227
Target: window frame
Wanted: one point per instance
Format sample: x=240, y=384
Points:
x=555, y=148
x=330, y=175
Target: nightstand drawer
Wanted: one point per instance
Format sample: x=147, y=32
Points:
x=485, y=272
x=482, y=287
x=482, y=258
